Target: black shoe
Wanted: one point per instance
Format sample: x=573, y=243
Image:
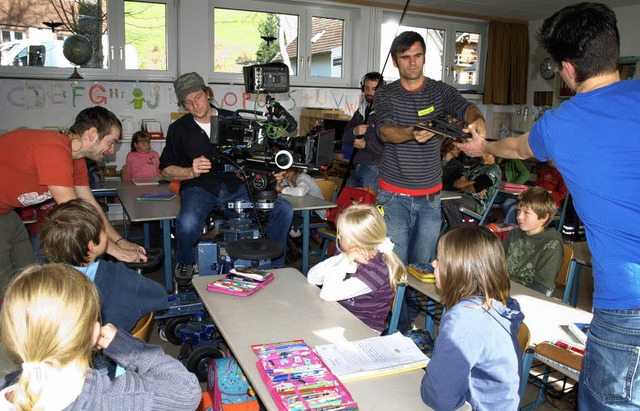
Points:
x=183, y=273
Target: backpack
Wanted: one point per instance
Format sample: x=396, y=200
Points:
x=349, y=196
x=229, y=388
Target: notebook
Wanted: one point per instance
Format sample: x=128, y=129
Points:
x=156, y=197
x=145, y=181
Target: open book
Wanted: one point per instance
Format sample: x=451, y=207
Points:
x=250, y=272
x=372, y=357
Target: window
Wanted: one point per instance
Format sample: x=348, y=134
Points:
x=129, y=39
x=455, y=50
x=311, y=42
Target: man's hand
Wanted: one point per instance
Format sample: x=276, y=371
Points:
x=476, y=147
x=360, y=130
x=279, y=176
x=360, y=143
x=127, y=251
x=422, y=136
x=201, y=165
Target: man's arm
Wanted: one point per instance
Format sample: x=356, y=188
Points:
x=199, y=166
x=474, y=118
x=392, y=134
x=510, y=147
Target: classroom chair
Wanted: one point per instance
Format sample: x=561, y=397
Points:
x=558, y=219
x=481, y=218
x=143, y=327
x=396, y=307
x=329, y=193
x=524, y=338
x=123, y=173
x=566, y=276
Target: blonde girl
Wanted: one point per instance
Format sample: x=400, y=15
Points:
x=476, y=356
x=364, y=277
x=49, y=325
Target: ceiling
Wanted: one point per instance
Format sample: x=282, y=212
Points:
x=502, y=9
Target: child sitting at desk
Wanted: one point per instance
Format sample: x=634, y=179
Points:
x=364, y=277
x=296, y=183
x=142, y=162
x=534, y=252
x=476, y=185
x=476, y=356
x=49, y=323
x=73, y=233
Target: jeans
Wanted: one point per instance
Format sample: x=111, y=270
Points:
x=364, y=175
x=610, y=376
x=413, y=224
x=195, y=205
x=510, y=210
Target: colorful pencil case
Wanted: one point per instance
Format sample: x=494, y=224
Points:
x=235, y=284
x=422, y=273
x=298, y=379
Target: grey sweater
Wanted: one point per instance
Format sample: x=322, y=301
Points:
x=153, y=381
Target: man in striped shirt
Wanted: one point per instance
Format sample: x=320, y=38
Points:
x=410, y=177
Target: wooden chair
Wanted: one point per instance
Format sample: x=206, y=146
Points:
x=524, y=338
x=566, y=274
x=482, y=218
x=396, y=307
x=123, y=174
x=328, y=189
x=143, y=327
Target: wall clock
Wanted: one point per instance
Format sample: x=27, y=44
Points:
x=547, y=69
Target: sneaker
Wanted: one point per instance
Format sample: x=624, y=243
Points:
x=183, y=273
x=295, y=233
x=195, y=269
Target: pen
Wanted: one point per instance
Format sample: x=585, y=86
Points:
x=294, y=369
x=297, y=376
x=568, y=347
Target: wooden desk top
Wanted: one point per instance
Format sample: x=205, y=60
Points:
x=287, y=309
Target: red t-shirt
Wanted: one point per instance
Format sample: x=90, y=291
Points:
x=32, y=160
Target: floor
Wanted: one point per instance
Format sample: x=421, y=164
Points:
x=567, y=402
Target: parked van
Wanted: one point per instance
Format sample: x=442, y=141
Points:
x=34, y=53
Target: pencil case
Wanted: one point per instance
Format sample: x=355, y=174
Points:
x=422, y=273
x=234, y=285
x=298, y=379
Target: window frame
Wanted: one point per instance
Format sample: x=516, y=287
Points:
x=116, y=70
x=305, y=12
x=450, y=26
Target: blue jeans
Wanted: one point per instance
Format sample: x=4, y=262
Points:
x=364, y=175
x=413, y=224
x=195, y=205
x=610, y=376
x=510, y=210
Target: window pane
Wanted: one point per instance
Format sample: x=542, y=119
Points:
x=243, y=38
x=434, y=54
x=465, y=67
x=327, y=37
x=40, y=45
x=145, y=36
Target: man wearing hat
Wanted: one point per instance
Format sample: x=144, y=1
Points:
x=187, y=156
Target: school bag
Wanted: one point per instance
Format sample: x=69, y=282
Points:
x=229, y=388
x=349, y=196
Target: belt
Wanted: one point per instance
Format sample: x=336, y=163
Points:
x=430, y=197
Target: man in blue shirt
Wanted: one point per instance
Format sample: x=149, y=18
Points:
x=592, y=140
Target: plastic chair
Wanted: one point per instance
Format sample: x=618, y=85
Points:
x=566, y=275
x=487, y=209
x=396, y=307
x=328, y=189
x=143, y=327
x=524, y=338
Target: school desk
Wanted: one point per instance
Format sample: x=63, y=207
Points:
x=546, y=317
x=306, y=204
x=146, y=211
x=289, y=308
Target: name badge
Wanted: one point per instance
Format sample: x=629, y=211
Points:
x=426, y=111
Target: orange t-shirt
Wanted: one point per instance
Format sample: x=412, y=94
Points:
x=32, y=160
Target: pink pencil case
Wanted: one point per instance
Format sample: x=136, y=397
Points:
x=234, y=285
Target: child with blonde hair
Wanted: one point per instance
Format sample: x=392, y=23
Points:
x=49, y=325
x=477, y=357
x=364, y=277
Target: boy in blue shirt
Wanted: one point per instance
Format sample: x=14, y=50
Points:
x=73, y=233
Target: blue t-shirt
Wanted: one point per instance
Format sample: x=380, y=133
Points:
x=593, y=140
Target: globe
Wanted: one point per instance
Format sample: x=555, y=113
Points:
x=77, y=49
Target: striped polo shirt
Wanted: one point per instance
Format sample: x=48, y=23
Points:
x=411, y=167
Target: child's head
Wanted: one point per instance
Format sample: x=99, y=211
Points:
x=447, y=146
x=363, y=226
x=140, y=141
x=536, y=207
x=471, y=262
x=73, y=233
x=48, y=321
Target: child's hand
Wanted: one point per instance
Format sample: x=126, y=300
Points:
x=359, y=255
x=107, y=334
